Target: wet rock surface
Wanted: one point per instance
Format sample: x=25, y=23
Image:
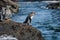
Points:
x=19, y=30
x=54, y=6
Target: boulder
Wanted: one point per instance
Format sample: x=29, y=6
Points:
x=20, y=30
x=53, y=6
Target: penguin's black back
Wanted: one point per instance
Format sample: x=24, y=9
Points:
x=28, y=20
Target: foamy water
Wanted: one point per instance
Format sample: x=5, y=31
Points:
x=7, y=37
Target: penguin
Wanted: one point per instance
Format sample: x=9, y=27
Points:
x=5, y=13
x=29, y=18
x=8, y=12
x=2, y=14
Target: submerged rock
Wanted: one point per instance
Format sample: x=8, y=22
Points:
x=53, y=6
x=20, y=31
x=57, y=30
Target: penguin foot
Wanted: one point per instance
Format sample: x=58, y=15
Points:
x=25, y=23
x=7, y=18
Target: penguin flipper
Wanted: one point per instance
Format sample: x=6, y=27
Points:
x=26, y=20
x=30, y=19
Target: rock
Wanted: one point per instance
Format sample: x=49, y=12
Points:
x=20, y=30
x=14, y=6
x=50, y=27
x=53, y=6
x=57, y=30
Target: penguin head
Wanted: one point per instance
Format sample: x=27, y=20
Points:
x=32, y=14
x=8, y=6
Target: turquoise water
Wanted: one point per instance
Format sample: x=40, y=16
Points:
x=45, y=20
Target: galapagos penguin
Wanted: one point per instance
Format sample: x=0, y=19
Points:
x=29, y=18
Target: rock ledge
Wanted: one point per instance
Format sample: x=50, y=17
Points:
x=20, y=31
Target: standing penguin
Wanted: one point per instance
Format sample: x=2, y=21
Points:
x=29, y=18
x=2, y=14
x=8, y=12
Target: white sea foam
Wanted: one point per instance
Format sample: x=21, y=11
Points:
x=51, y=1
x=6, y=37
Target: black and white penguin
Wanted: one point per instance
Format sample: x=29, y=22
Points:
x=29, y=18
x=5, y=13
x=8, y=12
x=2, y=14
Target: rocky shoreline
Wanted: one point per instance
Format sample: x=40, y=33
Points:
x=20, y=31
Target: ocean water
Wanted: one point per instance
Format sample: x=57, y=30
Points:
x=46, y=20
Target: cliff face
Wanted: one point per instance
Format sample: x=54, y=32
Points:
x=14, y=6
x=20, y=31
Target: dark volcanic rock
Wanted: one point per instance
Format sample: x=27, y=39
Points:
x=54, y=6
x=57, y=30
x=20, y=31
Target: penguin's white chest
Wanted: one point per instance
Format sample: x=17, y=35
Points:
x=8, y=11
x=31, y=17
